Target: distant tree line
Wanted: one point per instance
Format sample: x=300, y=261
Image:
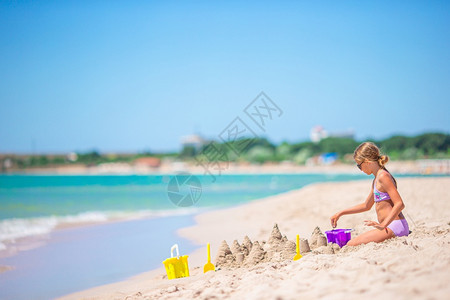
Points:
x=429, y=145
x=90, y=158
x=260, y=150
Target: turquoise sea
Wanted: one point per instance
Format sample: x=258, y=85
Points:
x=78, y=257
x=31, y=205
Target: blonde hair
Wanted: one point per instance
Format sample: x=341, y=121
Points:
x=369, y=151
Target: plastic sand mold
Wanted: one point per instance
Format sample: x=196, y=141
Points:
x=176, y=267
x=339, y=236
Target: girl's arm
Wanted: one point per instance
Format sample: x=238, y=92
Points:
x=367, y=205
x=387, y=184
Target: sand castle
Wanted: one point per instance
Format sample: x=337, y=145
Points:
x=277, y=248
x=319, y=243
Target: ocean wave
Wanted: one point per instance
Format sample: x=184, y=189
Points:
x=18, y=228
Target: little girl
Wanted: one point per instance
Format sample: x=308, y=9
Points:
x=383, y=192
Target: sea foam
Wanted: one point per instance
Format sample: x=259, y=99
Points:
x=18, y=228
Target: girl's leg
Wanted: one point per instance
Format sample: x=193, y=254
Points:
x=375, y=235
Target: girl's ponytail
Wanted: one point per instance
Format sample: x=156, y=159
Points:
x=382, y=160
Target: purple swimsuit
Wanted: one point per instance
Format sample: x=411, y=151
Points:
x=399, y=227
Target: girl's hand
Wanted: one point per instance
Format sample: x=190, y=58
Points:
x=374, y=224
x=334, y=220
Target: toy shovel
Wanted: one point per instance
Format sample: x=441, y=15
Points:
x=208, y=266
x=298, y=255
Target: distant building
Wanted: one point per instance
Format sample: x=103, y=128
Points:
x=72, y=156
x=7, y=163
x=193, y=140
x=322, y=159
x=318, y=133
x=328, y=158
x=151, y=162
x=350, y=134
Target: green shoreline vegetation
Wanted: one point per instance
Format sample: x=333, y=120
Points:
x=258, y=150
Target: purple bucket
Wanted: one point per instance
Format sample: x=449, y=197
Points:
x=339, y=236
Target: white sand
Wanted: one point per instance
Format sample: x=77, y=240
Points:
x=417, y=266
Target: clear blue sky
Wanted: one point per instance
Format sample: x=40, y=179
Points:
x=139, y=75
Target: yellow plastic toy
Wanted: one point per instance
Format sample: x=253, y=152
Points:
x=176, y=267
x=208, y=266
x=298, y=255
